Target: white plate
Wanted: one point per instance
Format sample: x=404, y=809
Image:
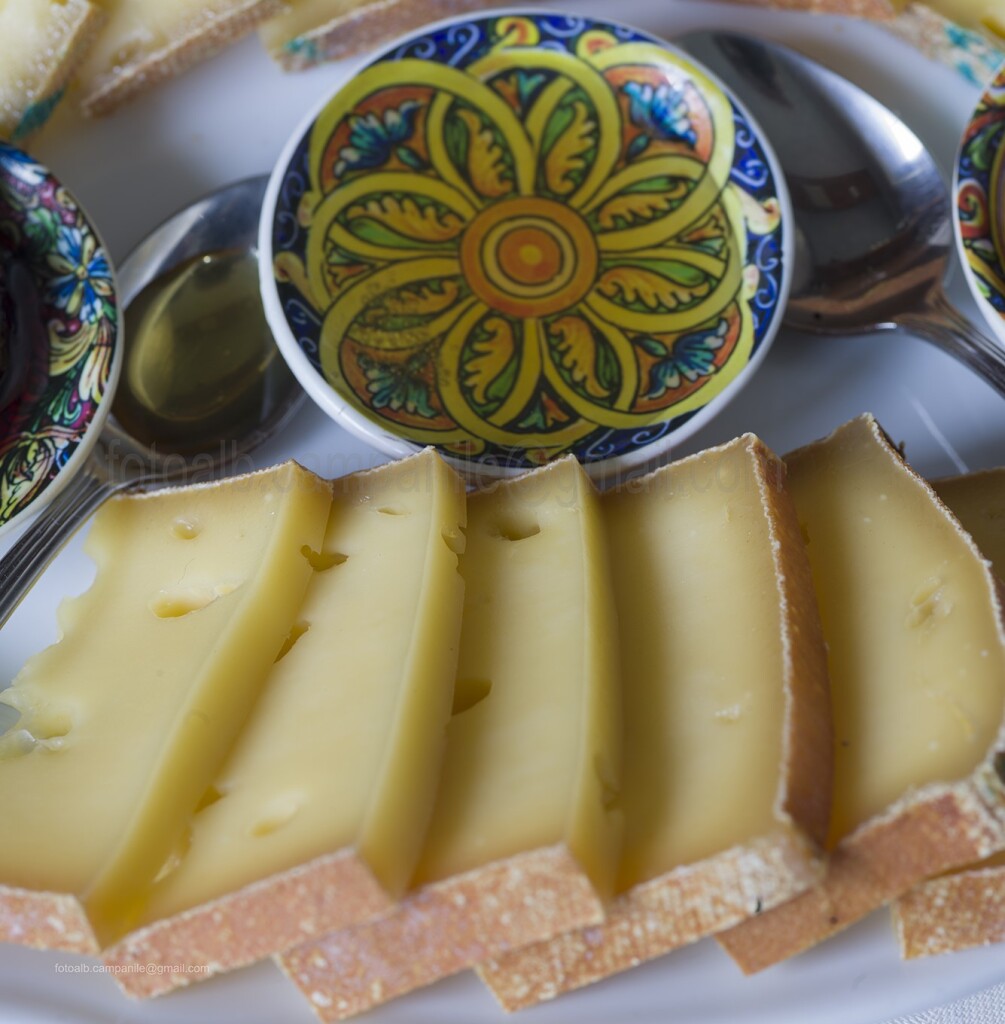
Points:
x=228, y=120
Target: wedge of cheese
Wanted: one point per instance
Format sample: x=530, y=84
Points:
x=125, y=722
x=913, y=622
x=41, y=44
x=318, y=816
x=727, y=718
x=525, y=835
x=145, y=42
x=964, y=908
x=309, y=32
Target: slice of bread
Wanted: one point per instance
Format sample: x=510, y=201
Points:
x=147, y=41
x=912, y=615
x=42, y=42
x=526, y=832
x=727, y=718
x=312, y=31
x=965, y=908
x=124, y=722
x=318, y=817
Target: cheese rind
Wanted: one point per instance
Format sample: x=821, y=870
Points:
x=158, y=666
x=913, y=620
x=318, y=816
x=309, y=32
x=147, y=41
x=727, y=769
x=524, y=838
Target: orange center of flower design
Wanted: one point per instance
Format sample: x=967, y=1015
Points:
x=529, y=257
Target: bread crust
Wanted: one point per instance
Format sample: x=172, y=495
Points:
x=929, y=830
x=45, y=920
x=453, y=924
x=196, y=42
x=652, y=919
x=372, y=23
x=696, y=900
x=951, y=913
x=876, y=10
x=240, y=928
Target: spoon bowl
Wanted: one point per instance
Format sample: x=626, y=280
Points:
x=873, y=216
x=181, y=411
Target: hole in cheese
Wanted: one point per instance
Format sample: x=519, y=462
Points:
x=321, y=561
x=298, y=630
x=210, y=797
x=468, y=693
x=515, y=528
x=454, y=539
x=174, y=859
x=609, y=790
x=282, y=812
x=392, y=510
x=185, y=528
x=181, y=601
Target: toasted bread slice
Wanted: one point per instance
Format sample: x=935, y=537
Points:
x=525, y=834
x=147, y=41
x=312, y=31
x=318, y=817
x=42, y=42
x=125, y=721
x=965, y=908
x=880, y=10
x=912, y=615
x=728, y=739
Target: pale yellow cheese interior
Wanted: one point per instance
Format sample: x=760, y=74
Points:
x=916, y=662
x=702, y=660
x=345, y=745
x=533, y=750
x=37, y=40
x=978, y=501
x=126, y=720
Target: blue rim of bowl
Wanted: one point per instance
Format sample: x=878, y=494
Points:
x=48, y=432
x=980, y=164
x=755, y=170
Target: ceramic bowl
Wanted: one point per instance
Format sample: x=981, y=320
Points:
x=979, y=190
x=520, y=235
x=48, y=430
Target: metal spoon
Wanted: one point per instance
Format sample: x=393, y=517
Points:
x=873, y=219
x=204, y=431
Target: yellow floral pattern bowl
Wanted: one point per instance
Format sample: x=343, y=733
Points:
x=67, y=304
x=518, y=236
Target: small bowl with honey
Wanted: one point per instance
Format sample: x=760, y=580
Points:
x=516, y=236
x=60, y=344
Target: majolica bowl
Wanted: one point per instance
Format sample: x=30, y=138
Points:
x=521, y=235
x=979, y=188
x=50, y=425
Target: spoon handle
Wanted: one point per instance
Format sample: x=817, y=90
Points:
x=941, y=323
x=56, y=524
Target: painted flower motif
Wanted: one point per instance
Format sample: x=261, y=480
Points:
x=662, y=111
x=525, y=271
x=83, y=283
x=373, y=138
x=691, y=357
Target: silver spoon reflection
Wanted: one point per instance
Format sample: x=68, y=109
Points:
x=874, y=230
x=203, y=382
